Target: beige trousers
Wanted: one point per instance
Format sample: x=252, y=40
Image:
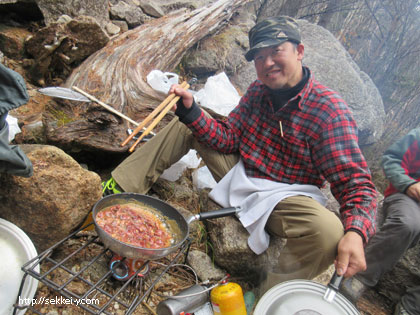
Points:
x=312, y=231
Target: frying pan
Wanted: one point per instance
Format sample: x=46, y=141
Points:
x=305, y=297
x=178, y=225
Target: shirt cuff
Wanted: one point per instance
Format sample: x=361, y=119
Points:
x=187, y=115
x=358, y=232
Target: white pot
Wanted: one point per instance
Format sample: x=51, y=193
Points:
x=16, y=249
x=302, y=297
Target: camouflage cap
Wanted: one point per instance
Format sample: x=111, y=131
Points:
x=270, y=32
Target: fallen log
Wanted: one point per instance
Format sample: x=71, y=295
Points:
x=116, y=75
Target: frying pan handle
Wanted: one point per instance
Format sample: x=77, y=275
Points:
x=215, y=214
x=335, y=281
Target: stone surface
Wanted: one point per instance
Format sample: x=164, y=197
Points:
x=53, y=9
x=204, y=267
x=59, y=45
x=54, y=201
x=12, y=41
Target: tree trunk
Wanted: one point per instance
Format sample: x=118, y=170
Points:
x=116, y=75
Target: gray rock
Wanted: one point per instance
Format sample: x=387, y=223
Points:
x=132, y=14
x=54, y=201
x=150, y=8
x=168, y=6
x=333, y=66
x=52, y=10
x=204, y=267
x=112, y=29
x=229, y=241
x=222, y=51
x=119, y=10
x=122, y=25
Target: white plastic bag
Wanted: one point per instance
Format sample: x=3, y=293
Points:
x=218, y=94
x=202, y=178
x=189, y=160
x=13, y=127
x=161, y=81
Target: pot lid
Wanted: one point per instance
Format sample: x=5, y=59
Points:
x=302, y=297
x=16, y=249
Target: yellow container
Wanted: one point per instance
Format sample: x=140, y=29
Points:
x=228, y=299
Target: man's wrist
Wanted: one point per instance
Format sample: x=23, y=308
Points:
x=360, y=233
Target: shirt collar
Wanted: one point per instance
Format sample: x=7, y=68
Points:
x=305, y=90
x=300, y=96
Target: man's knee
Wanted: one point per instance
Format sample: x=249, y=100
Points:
x=409, y=228
x=330, y=231
x=403, y=215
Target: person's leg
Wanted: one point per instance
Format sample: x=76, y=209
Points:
x=411, y=300
x=141, y=169
x=312, y=233
x=399, y=232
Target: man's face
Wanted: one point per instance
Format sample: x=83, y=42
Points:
x=279, y=67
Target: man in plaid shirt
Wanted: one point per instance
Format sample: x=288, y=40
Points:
x=288, y=129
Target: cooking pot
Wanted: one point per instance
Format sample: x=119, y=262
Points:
x=305, y=297
x=178, y=225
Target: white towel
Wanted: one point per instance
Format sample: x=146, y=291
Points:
x=257, y=197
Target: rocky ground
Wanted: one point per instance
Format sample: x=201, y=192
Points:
x=178, y=278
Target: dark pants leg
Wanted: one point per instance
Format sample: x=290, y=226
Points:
x=400, y=231
x=411, y=300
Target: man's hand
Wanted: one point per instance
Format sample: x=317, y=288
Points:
x=351, y=255
x=413, y=191
x=187, y=97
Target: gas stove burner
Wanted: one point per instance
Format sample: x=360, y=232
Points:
x=98, y=276
x=124, y=268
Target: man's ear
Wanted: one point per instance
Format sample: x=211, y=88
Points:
x=300, y=49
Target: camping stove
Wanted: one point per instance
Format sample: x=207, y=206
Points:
x=124, y=268
x=91, y=277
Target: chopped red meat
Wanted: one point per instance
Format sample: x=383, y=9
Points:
x=135, y=225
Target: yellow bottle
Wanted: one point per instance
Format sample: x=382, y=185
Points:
x=228, y=299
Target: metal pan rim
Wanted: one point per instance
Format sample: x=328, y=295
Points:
x=284, y=296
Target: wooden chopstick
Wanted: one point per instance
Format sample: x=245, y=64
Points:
x=151, y=116
x=111, y=109
x=158, y=118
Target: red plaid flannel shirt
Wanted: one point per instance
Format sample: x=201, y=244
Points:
x=319, y=142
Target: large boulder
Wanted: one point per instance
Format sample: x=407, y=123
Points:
x=54, y=201
x=332, y=65
x=231, y=252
